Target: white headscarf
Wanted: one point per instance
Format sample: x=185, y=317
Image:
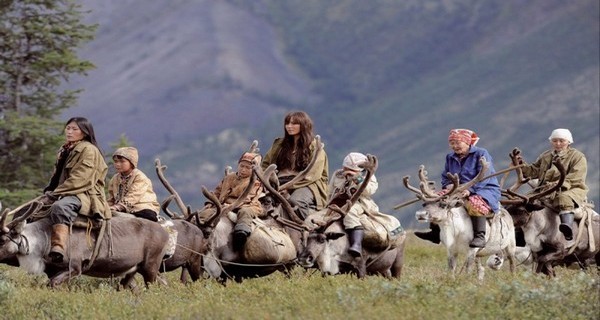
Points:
x=561, y=134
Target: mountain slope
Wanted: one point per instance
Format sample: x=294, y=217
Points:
x=195, y=82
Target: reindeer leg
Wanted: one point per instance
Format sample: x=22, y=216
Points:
x=185, y=273
x=128, y=281
x=480, y=269
x=361, y=267
x=510, y=253
x=471, y=257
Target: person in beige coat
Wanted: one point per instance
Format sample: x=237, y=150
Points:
x=77, y=184
x=573, y=192
x=130, y=190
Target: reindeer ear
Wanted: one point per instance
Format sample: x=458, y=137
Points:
x=334, y=235
x=18, y=228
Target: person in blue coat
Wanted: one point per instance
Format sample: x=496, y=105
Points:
x=483, y=198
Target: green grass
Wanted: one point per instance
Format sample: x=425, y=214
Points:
x=425, y=291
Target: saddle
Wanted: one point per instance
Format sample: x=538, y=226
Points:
x=268, y=244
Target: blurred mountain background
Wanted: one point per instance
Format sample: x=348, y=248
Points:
x=193, y=82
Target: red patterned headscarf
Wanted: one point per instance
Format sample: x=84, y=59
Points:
x=465, y=135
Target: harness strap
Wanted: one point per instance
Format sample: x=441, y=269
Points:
x=94, y=255
x=585, y=218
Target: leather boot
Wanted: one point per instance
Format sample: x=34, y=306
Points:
x=58, y=242
x=566, y=224
x=355, y=236
x=241, y=231
x=433, y=235
x=479, y=224
x=520, y=237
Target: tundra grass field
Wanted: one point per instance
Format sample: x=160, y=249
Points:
x=425, y=291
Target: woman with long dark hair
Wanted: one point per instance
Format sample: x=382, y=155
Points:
x=292, y=153
x=77, y=184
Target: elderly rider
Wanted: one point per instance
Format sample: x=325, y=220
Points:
x=483, y=198
x=573, y=192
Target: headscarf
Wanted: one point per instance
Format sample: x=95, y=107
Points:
x=465, y=135
x=561, y=134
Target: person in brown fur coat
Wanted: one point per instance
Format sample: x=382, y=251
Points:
x=230, y=189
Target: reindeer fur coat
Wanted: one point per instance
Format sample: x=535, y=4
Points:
x=136, y=194
x=83, y=176
x=575, y=165
x=232, y=187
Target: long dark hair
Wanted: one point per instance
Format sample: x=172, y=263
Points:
x=86, y=127
x=286, y=158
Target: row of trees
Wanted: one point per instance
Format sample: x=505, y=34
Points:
x=38, y=43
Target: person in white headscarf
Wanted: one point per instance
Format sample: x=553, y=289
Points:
x=573, y=192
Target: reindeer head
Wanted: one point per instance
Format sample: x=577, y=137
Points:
x=11, y=240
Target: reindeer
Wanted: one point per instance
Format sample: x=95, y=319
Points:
x=128, y=246
x=187, y=256
x=539, y=221
x=327, y=248
x=448, y=213
x=191, y=240
x=267, y=249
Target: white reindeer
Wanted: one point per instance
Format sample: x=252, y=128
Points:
x=456, y=233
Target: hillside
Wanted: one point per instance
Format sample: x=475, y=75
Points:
x=195, y=82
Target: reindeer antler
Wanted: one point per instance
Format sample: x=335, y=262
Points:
x=370, y=166
x=424, y=192
x=284, y=203
x=479, y=177
x=185, y=211
x=34, y=207
x=523, y=199
x=211, y=221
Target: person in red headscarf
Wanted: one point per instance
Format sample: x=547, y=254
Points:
x=483, y=198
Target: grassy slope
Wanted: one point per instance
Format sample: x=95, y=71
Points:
x=425, y=291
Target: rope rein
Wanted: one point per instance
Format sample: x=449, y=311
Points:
x=220, y=261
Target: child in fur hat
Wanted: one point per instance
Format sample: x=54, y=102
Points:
x=230, y=189
x=130, y=190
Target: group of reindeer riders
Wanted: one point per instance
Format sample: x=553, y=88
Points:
x=77, y=184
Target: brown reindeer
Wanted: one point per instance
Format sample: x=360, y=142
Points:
x=327, y=248
x=128, y=246
x=534, y=214
x=192, y=241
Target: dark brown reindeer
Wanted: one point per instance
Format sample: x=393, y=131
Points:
x=539, y=221
x=192, y=242
x=327, y=248
x=456, y=230
x=128, y=247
